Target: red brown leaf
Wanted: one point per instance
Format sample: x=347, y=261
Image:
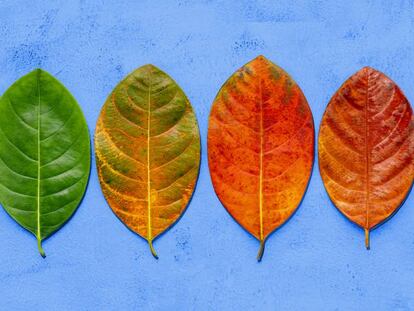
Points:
x=366, y=146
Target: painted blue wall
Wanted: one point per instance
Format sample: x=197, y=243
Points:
x=317, y=261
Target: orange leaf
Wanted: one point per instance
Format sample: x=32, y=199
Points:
x=366, y=146
x=260, y=147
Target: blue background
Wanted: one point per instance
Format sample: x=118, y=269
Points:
x=317, y=261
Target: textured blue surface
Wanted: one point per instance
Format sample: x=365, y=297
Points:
x=317, y=261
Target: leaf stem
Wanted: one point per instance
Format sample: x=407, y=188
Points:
x=261, y=250
x=39, y=246
x=367, y=238
x=152, y=249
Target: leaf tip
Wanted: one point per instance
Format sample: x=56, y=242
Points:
x=150, y=67
x=40, y=72
x=368, y=70
x=261, y=58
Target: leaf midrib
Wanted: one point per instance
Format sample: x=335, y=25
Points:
x=367, y=154
x=149, y=233
x=38, y=233
x=261, y=163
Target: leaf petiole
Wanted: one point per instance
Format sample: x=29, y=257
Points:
x=261, y=250
x=367, y=238
x=152, y=249
x=39, y=246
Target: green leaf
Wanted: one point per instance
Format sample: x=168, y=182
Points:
x=147, y=147
x=44, y=154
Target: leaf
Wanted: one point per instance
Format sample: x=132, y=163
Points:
x=260, y=147
x=147, y=148
x=44, y=154
x=366, y=146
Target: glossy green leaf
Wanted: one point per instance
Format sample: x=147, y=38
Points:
x=44, y=154
x=147, y=149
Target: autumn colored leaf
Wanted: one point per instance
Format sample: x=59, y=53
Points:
x=147, y=148
x=44, y=154
x=260, y=147
x=366, y=146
